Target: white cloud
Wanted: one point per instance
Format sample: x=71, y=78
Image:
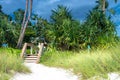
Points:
x=6, y=1
x=53, y=1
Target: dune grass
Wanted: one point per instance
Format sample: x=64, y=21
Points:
x=97, y=62
x=10, y=63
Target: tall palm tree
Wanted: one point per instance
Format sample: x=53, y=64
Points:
x=25, y=14
x=25, y=22
x=101, y=5
x=104, y=4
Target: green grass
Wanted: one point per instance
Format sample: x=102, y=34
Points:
x=10, y=63
x=97, y=62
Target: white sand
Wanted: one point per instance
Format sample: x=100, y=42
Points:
x=41, y=72
x=114, y=76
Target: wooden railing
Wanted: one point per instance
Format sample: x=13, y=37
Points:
x=23, y=51
x=38, y=50
x=41, y=46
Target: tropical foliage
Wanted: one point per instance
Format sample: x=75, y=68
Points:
x=18, y=16
x=98, y=28
x=62, y=31
x=8, y=32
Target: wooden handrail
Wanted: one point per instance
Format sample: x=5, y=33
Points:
x=23, y=50
x=40, y=46
x=32, y=45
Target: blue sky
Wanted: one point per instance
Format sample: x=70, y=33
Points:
x=79, y=8
x=43, y=8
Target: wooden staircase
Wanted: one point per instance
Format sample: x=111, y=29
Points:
x=32, y=58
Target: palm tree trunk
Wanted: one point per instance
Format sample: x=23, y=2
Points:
x=103, y=5
x=25, y=15
x=24, y=26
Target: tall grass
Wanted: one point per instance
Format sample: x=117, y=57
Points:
x=10, y=63
x=97, y=62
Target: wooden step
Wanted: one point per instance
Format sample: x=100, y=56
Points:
x=30, y=61
x=30, y=58
x=31, y=55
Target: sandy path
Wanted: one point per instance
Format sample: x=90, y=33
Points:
x=114, y=76
x=41, y=72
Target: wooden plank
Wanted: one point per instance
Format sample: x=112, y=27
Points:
x=30, y=44
x=30, y=61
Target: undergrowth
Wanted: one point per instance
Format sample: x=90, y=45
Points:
x=10, y=63
x=97, y=62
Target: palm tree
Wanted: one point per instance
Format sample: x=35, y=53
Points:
x=25, y=14
x=64, y=30
x=104, y=3
x=25, y=23
x=18, y=16
x=99, y=28
x=0, y=8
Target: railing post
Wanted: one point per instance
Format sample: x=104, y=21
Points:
x=31, y=50
x=23, y=50
x=40, y=46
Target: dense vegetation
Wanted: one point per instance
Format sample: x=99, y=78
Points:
x=89, y=47
x=62, y=31
x=8, y=32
